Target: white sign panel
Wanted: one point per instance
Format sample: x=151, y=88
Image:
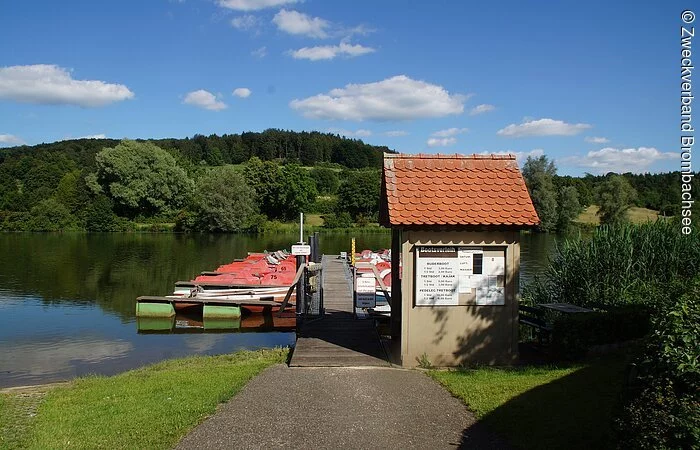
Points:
x=437, y=276
x=466, y=269
x=365, y=292
x=301, y=250
x=490, y=289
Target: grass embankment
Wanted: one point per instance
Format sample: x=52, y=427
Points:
x=636, y=215
x=152, y=407
x=543, y=407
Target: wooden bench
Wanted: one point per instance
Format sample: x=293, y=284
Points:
x=534, y=317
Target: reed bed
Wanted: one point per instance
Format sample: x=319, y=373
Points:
x=617, y=266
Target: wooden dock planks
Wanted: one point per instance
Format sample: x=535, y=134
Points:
x=338, y=339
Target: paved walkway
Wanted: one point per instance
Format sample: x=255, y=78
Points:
x=319, y=408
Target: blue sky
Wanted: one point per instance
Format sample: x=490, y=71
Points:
x=594, y=85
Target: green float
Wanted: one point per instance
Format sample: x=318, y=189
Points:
x=222, y=324
x=221, y=312
x=155, y=323
x=149, y=309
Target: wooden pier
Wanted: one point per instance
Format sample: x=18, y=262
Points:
x=337, y=339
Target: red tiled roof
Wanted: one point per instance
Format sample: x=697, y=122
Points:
x=455, y=190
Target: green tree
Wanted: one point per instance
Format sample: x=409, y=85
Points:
x=99, y=216
x=296, y=191
x=326, y=180
x=224, y=201
x=68, y=190
x=359, y=193
x=539, y=177
x=264, y=178
x=283, y=192
x=568, y=206
x=141, y=178
x=614, y=197
x=50, y=215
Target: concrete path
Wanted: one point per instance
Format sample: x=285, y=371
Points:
x=326, y=408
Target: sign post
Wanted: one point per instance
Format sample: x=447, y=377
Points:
x=301, y=250
x=365, y=292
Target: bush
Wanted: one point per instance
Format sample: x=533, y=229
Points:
x=50, y=215
x=324, y=205
x=574, y=334
x=362, y=220
x=12, y=221
x=342, y=220
x=99, y=216
x=662, y=404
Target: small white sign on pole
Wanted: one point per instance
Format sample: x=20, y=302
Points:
x=301, y=250
x=365, y=292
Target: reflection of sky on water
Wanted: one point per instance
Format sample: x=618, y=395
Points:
x=41, y=343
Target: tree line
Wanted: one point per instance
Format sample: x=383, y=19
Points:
x=58, y=188
x=236, y=183
x=560, y=199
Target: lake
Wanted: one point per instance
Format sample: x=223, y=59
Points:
x=67, y=301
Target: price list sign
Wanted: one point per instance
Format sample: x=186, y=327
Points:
x=437, y=276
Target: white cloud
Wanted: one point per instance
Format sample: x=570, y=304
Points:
x=620, y=160
x=358, y=133
x=245, y=23
x=441, y=142
x=260, y=52
x=330, y=51
x=242, y=92
x=294, y=22
x=596, y=140
x=481, y=109
x=9, y=140
x=360, y=30
x=521, y=157
x=204, y=99
x=94, y=136
x=396, y=98
x=61, y=358
x=543, y=127
x=253, y=5
x=449, y=132
x=53, y=85
x=395, y=133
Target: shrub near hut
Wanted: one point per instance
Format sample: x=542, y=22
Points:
x=662, y=403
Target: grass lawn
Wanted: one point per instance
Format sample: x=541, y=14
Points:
x=151, y=407
x=543, y=407
x=314, y=220
x=636, y=215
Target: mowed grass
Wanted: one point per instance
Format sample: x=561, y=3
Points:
x=636, y=215
x=543, y=407
x=314, y=220
x=151, y=407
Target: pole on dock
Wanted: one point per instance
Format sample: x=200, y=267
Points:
x=317, y=248
x=301, y=260
x=301, y=227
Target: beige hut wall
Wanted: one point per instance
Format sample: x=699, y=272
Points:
x=463, y=334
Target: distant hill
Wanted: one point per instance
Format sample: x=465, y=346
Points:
x=306, y=148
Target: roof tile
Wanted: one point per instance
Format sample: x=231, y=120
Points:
x=456, y=190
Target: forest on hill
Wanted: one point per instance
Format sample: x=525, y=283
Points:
x=250, y=181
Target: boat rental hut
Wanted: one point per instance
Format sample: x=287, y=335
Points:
x=456, y=224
